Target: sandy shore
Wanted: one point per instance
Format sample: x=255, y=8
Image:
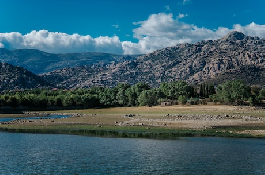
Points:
x=251, y=120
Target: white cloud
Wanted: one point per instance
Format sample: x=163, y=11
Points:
x=157, y=25
x=158, y=31
x=57, y=42
x=182, y=15
x=252, y=29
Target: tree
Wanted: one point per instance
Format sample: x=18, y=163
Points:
x=262, y=94
x=58, y=102
x=107, y=97
x=235, y=91
x=68, y=100
x=121, y=97
x=132, y=97
x=211, y=90
x=182, y=99
x=206, y=90
x=90, y=100
x=164, y=89
x=147, y=98
x=175, y=89
x=190, y=91
x=134, y=92
x=78, y=100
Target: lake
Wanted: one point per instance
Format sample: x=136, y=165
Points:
x=71, y=154
x=34, y=118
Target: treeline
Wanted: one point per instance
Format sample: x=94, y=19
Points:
x=140, y=94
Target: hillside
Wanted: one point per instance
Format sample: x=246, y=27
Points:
x=41, y=62
x=234, y=56
x=12, y=77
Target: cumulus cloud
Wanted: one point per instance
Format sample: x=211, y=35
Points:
x=57, y=42
x=252, y=29
x=158, y=31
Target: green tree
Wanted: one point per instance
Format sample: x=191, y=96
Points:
x=182, y=99
x=135, y=91
x=107, y=97
x=90, y=100
x=132, y=97
x=121, y=96
x=235, y=91
x=68, y=101
x=175, y=89
x=147, y=98
x=262, y=94
x=58, y=101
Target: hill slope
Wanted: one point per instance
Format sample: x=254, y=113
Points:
x=12, y=77
x=233, y=56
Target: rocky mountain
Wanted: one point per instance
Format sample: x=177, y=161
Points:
x=234, y=56
x=41, y=62
x=12, y=77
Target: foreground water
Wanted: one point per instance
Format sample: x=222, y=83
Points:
x=70, y=154
x=34, y=118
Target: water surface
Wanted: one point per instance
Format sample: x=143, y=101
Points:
x=70, y=154
x=34, y=118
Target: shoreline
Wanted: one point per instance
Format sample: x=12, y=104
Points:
x=107, y=133
x=150, y=122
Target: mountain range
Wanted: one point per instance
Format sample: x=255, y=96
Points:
x=39, y=62
x=235, y=56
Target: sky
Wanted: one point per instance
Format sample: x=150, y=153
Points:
x=123, y=26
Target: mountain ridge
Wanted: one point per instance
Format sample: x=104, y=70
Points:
x=40, y=62
x=196, y=63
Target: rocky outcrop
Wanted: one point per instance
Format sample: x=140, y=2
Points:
x=234, y=56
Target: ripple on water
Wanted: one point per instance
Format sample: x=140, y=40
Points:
x=69, y=154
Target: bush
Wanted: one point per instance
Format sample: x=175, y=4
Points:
x=182, y=99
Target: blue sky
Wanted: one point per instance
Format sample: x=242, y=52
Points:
x=123, y=26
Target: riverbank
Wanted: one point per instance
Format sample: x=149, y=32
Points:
x=151, y=122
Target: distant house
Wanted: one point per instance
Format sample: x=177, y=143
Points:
x=167, y=103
